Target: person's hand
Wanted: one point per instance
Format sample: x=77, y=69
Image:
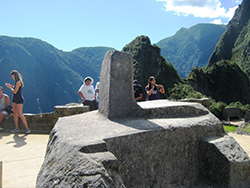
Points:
x=83, y=100
x=7, y=85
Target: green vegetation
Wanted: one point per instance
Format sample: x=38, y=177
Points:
x=229, y=128
x=191, y=47
x=247, y=128
x=182, y=91
x=224, y=81
x=51, y=77
x=148, y=62
x=217, y=108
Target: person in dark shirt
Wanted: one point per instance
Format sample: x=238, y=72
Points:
x=153, y=90
x=138, y=91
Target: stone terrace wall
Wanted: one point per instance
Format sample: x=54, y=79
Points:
x=44, y=123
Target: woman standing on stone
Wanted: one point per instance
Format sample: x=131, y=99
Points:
x=153, y=90
x=17, y=101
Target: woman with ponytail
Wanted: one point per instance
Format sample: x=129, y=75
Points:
x=17, y=101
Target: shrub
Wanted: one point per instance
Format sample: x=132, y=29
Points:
x=217, y=108
x=182, y=91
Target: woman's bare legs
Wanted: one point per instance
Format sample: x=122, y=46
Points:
x=15, y=114
x=18, y=112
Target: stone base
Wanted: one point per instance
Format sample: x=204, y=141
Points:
x=89, y=150
x=43, y=123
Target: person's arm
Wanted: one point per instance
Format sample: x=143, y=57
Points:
x=7, y=100
x=97, y=87
x=149, y=92
x=9, y=86
x=14, y=90
x=139, y=98
x=81, y=95
x=161, y=89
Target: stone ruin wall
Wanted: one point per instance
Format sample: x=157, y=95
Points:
x=44, y=123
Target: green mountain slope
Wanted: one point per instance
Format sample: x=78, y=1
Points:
x=191, y=47
x=148, y=62
x=51, y=76
x=234, y=44
x=226, y=76
x=223, y=81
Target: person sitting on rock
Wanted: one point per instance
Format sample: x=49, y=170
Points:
x=4, y=103
x=87, y=93
x=138, y=91
x=153, y=90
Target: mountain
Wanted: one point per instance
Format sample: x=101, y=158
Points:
x=148, y=61
x=224, y=81
x=226, y=76
x=51, y=76
x=234, y=44
x=191, y=47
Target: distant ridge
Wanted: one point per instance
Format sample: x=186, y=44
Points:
x=51, y=76
x=191, y=47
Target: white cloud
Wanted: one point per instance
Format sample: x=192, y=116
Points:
x=217, y=21
x=230, y=12
x=199, y=8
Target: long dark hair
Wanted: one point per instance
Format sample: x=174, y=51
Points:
x=149, y=83
x=17, y=77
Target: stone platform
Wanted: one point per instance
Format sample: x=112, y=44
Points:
x=142, y=152
x=141, y=145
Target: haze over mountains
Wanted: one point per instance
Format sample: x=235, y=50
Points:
x=53, y=77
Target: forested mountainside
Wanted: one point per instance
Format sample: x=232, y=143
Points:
x=148, y=61
x=223, y=81
x=51, y=76
x=191, y=47
x=226, y=76
x=234, y=44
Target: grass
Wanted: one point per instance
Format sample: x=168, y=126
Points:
x=229, y=128
x=247, y=128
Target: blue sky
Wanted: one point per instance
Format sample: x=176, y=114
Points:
x=70, y=24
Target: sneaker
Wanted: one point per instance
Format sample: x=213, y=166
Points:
x=15, y=131
x=28, y=131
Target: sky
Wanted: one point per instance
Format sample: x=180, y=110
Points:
x=70, y=24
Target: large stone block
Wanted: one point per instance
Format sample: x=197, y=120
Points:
x=224, y=163
x=116, y=88
x=157, y=143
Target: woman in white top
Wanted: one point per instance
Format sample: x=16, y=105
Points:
x=87, y=93
x=4, y=102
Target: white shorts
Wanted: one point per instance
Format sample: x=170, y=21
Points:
x=4, y=112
